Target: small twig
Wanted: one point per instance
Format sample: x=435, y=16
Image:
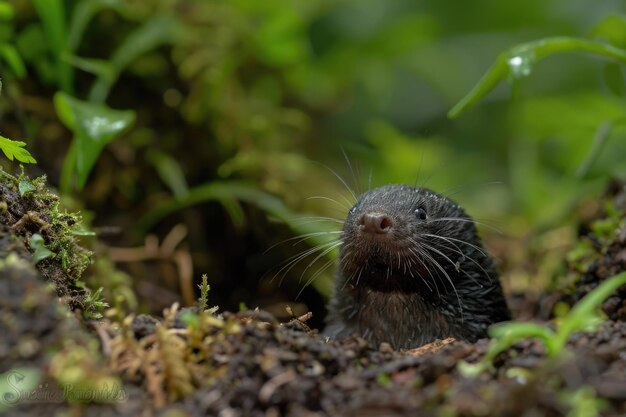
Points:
x=166, y=251
x=104, y=336
x=431, y=347
x=184, y=264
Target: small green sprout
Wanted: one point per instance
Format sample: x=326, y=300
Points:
x=383, y=380
x=94, y=305
x=190, y=319
x=584, y=316
x=583, y=402
x=203, y=301
x=26, y=187
x=40, y=250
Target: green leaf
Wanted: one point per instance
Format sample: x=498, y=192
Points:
x=79, y=229
x=507, y=334
x=229, y=193
x=26, y=187
x=279, y=41
x=155, y=32
x=14, y=149
x=583, y=315
x=84, y=11
x=612, y=29
x=52, y=14
x=519, y=61
x=12, y=57
x=600, y=139
x=6, y=11
x=94, y=305
x=220, y=191
x=94, y=126
x=170, y=172
x=40, y=251
x=98, y=67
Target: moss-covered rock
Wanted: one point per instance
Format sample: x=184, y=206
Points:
x=30, y=213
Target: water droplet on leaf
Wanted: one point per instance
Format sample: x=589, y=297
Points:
x=520, y=65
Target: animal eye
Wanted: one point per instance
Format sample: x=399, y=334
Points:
x=420, y=213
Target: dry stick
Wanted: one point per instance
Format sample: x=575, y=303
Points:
x=151, y=250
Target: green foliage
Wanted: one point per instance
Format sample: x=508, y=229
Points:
x=54, y=25
x=170, y=172
x=153, y=33
x=230, y=194
x=40, y=251
x=226, y=192
x=384, y=380
x=13, y=149
x=519, y=61
x=26, y=187
x=583, y=402
x=8, y=52
x=94, y=126
x=94, y=305
x=584, y=316
x=93, y=123
x=605, y=229
x=246, y=92
x=573, y=126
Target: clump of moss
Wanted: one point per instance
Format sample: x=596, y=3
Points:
x=600, y=254
x=34, y=215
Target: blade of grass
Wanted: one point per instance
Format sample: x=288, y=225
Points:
x=580, y=315
x=155, y=32
x=52, y=15
x=519, y=61
x=84, y=11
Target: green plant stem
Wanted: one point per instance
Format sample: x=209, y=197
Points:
x=599, y=140
x=575, y=320
x=508, y=334
x=68, y=169
x=534, y=51
x=52, y=15
x=581, y=317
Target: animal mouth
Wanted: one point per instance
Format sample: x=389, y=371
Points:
x=383, y=254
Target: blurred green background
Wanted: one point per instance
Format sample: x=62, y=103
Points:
x=227, y=118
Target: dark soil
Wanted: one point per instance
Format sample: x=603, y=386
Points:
x=194, y=362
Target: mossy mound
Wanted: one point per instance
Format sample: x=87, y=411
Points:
x=197, y=361
x=33, y=215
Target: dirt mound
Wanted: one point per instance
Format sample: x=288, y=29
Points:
x=199, y=361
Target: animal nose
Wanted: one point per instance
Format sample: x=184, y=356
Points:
x=375, y=222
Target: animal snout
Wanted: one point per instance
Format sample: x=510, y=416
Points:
x=375, y=222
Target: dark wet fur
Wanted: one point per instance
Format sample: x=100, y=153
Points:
x=408, y=288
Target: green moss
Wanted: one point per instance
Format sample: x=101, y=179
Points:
x=34, y=214
x=605, y=229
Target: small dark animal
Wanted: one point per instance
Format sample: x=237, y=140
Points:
x=412, y=270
